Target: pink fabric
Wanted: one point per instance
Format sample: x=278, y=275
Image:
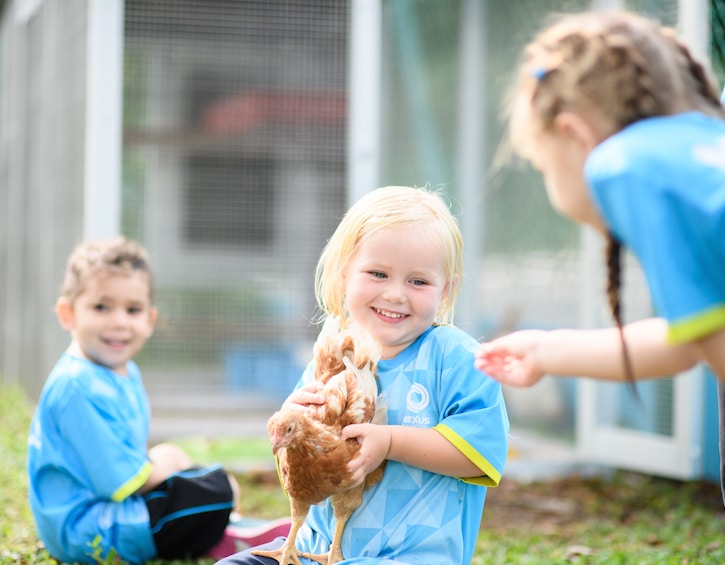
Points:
x=240, y=537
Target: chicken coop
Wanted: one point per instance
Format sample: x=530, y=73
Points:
x=229, y=137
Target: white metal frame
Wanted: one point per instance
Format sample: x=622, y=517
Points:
x=471, y=149
x=364, y=98
x=104, y=94
x=679, y=455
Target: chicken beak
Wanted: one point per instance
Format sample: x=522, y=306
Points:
x=274, y=439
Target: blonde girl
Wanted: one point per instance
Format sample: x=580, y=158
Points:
x=394, y=266
x=629, y=135
x=392, y=207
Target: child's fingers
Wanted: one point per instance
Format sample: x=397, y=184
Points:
x=500, y=364
x=492, y=360
x=314, y=386
x=302, y=398
x=351, y=431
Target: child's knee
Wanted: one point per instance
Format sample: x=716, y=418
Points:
x=170, y=454
x=235, y=488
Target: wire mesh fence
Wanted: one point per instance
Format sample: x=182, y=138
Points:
x=235, y=129
x=718, y=39
x=234, y=164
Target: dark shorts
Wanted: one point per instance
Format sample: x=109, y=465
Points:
x=189, y=512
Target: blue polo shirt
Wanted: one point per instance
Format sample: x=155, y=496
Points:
x=414, y=516
x=87, y=455
x=659, y=185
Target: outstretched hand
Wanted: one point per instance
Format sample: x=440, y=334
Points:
x=513, y=359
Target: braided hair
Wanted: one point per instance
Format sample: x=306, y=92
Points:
x=615, y=67
x=613, y=253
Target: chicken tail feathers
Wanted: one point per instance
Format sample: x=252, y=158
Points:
x=335, y=343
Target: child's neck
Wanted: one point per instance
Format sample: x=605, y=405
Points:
x=76, y=350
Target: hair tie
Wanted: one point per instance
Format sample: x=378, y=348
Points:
x=539, y=73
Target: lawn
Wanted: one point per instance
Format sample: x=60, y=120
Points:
x=622, y=518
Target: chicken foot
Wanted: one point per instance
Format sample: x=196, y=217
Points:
x=343, y=505
x=287, y=554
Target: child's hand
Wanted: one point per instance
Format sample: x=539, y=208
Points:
x=513, y=359
x=374, y=448
x=301, y=398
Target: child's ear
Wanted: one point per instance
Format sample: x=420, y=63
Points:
x=575, y=127
x=64, y=311
x=153, y=316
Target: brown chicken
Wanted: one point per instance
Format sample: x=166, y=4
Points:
x=311, y=454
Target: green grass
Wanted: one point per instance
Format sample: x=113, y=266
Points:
x=255, y=452
x=625, y=518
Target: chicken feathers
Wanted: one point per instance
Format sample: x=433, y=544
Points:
x=311, y=454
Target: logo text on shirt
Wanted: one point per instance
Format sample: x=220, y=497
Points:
x=418, y=399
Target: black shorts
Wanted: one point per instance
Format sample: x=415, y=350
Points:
x=189, y=512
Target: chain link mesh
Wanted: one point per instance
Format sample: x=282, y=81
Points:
x=718, y=39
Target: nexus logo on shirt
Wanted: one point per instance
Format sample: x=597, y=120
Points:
x=418, y=399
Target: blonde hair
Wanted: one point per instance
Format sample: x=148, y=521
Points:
x=95, y=258
x=620, y=66
x=389, y=207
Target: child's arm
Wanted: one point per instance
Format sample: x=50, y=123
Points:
x=712, y=349
x=524, y=357
x=420, y=447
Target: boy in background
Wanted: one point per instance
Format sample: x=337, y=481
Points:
x=94, y=484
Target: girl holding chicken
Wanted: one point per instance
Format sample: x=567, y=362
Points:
x=393, y=267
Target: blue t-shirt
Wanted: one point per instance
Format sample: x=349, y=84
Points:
x=87, y=455
x=415, y=516
x=659, y=184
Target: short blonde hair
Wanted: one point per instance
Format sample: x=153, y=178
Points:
x=95, y=258
x=389, y=207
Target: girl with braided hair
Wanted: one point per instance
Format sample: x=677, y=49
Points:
x=629, y=135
